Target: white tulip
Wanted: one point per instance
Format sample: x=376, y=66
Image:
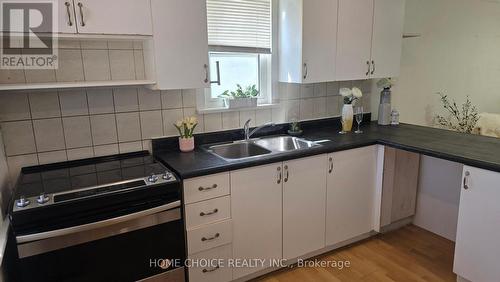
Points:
x=345, y=92
x=179, y=123
x=356, y=92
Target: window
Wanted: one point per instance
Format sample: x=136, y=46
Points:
x=239, y=38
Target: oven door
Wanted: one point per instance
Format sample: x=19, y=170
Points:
x=144, y=245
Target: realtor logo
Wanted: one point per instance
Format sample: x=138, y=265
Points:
x=28, y=38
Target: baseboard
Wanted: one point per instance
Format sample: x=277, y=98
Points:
x=396, y=225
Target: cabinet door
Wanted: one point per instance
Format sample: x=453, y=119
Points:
x=304, y=191
x=114, y=16
x=478, y=230
x=351, y=194
x=319, y=40
x=387, y=37
x=256, y=209
x=354, y=39
x=180, y=44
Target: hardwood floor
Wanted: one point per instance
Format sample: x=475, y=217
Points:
x=407, y=254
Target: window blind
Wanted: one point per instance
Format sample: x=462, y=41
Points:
x=243, y=25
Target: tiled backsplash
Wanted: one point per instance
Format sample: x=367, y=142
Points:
x=48, y=126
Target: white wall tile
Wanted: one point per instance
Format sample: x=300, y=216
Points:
x=306, y=91
x=80, y=153
x=106, y=150
x=129, y=128
x=103, y=129
x=94, y=44
x=18, y=138
x=171, y=99
x=213, y=122
x=37, y=76
x=77, y=132
x=278, y=114
x=189, y=98
x=52, y=157
x=126, y=99
x=263, y=116
x=190, y=112
x=246, y=115
x=120, y=45
x=149, y=99
x=68, y=44
x=306, y=109
x=319, y=107
x=292, y=110
x=17, y=162
x=140, y=68
x=332, y=88
x=44, y=104
x=289, y=91
x=12, y=76
x=151, y=124
x=49, y=134
x=169, y=118
x=333, y=105
x=319, y=90
x=70, y=66
x=147, y=145
x=96, y=65
x=122, y=64
x=100, y=101
x=73, y=103
x=130, y=147
x=230, y=120
x=14, y=106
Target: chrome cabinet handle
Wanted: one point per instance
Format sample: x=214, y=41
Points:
x=67, y=4
x=206, y=73
x=373, y=67
x=80, y=5
x=217, y=235
x=330, y=162
x=369, y=68
x=286, y=173
x=211, y=269
x=201, y=188
x=279, y=175
x=209, y=213
x=305, y=70
x=466, y=178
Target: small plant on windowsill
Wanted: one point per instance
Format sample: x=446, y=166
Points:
x=241, y=98
x=462, y=119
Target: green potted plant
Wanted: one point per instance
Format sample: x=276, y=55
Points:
x=241, y=98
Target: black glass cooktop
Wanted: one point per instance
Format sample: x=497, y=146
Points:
x=74, y=175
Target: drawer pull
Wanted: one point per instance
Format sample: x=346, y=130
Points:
x=210, y=270
x=207, y=188
x=209, y=213
x=217, y=235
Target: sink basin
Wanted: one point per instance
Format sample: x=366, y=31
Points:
x=239, y=150
x=285, y=143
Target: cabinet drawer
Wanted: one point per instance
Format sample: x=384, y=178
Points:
x=209, y=211
x=209, y=236
x=212, y=272
x=206, y=187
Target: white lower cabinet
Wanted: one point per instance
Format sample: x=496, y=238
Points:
x=256, y=209
x=477, y=248
x=351, y=194
x=206, y=266
x=304, y=192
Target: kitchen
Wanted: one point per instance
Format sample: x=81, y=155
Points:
x=321, y=148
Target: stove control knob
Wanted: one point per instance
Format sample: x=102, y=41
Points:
x=42, y=199
x=167, y=175
x=152, y=178
x=22, y=202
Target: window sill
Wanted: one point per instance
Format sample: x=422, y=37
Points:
x=225, y=110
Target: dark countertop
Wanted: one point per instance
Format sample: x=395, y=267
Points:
x=478, y=151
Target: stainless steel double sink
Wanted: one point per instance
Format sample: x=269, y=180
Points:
x=247, y=149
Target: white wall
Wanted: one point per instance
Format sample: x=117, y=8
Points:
x=4, y=173
x=438, y=196
x=458, y=52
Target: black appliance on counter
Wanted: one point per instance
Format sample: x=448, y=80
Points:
x=112, y=218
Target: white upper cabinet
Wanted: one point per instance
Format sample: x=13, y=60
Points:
x=307, y=40
x=354, y=39
x=351, y=194
x=369, y=40
x=387, y=39
x=478, y=230
x=180, y=44
x=130, y=17
x=304, y=192
x=256, y=208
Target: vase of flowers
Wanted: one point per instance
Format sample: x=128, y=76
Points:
x=186, y=128
x=351, y=95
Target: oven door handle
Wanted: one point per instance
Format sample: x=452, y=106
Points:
x=95, y=225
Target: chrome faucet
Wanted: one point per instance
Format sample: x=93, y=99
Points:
x=249, y=134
